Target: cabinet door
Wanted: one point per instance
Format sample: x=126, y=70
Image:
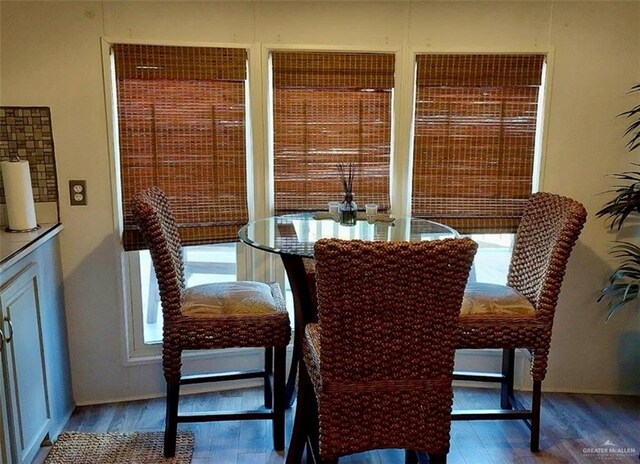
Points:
x=25, y=378
x=5, y=436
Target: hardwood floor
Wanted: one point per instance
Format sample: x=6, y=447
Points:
x=571, y=425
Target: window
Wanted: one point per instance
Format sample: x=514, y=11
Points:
x=475, y=131
x=330, y=108
x=181, y=123
x=474, y=147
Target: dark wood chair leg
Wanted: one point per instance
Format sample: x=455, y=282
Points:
x=312, y=421
x=268, y=376
x=171, y=420
x=415, y=457
x=278, y=397
x=410, y=457
x=305, y=422
x=299, y=432
x=506, y=387
x=535, y=416
x=437, y=459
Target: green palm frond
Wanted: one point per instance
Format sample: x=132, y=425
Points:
x=626, y=250
x=624, y=282
x=619, y=295
x=626, y=201
x=633, y=131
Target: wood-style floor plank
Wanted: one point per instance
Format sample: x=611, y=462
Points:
x=570, y=423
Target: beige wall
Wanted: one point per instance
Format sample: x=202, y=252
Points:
x=50, y=55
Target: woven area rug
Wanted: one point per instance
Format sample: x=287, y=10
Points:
x=118, y=448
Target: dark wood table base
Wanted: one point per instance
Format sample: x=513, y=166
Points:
x=305, y=312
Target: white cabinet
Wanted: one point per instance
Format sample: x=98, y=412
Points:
x=27, y=408
x=35, y=376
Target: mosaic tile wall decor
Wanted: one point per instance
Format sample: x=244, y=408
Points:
x=26, y=132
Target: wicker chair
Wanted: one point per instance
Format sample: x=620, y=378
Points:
x=520, y=315
x=380, y=358
x=217, y=315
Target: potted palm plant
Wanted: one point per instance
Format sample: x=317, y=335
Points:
x=623, y=286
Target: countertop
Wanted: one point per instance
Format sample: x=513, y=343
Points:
x=15, y=246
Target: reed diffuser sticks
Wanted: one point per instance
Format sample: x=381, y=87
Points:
x=347, y=180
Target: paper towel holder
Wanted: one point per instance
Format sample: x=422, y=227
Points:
x=14, y=158
x=18, y=231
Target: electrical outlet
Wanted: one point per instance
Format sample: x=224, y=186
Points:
x=78, y=192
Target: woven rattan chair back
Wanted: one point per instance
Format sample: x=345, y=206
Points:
x=153, y=214
x=549, y=229
x=388, y=314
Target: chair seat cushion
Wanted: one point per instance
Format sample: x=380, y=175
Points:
x=490, y=299
x=228, y=298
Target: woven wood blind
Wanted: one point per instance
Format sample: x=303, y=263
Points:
x=475, y=126
x=331, y=108
x=181, y=120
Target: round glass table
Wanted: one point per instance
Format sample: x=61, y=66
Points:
x=293, y=236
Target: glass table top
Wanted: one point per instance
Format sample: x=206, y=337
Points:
x=295, y=234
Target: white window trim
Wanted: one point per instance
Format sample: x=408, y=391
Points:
x=133, y=350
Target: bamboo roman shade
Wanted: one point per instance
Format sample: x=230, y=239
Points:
x=475, y=128
x=331, y=108
x=181, y=122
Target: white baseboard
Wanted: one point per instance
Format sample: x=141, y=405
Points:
x=59, y=426
x=466, y=360
x=188, y=389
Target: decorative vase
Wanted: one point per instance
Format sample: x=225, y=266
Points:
x=348, y=210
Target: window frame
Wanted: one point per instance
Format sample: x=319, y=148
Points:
x=267, y=266
x=275, y=269
x=542, y=121
x=134, y=350
x=517, y=76
x=307, y=105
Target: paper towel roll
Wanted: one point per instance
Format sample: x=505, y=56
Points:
x=19, y=196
